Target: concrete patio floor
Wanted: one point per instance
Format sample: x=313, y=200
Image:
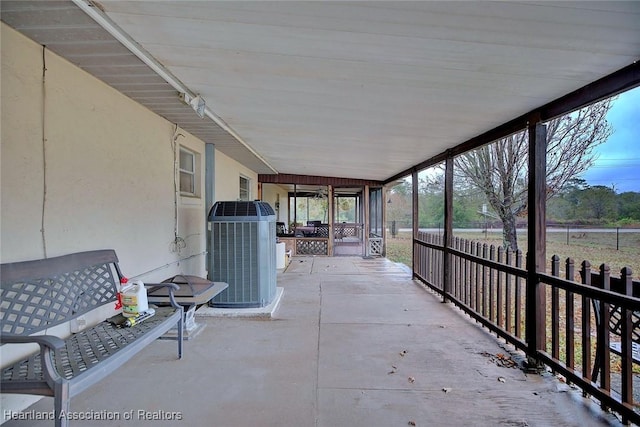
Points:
x=355, y=342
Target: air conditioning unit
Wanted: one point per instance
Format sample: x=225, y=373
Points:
x=243, y=253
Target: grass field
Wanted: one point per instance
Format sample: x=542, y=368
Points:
x=597, y=248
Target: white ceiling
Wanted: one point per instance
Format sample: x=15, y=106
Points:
x=368, y=89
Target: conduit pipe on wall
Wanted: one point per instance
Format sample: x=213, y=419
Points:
x=96, y=13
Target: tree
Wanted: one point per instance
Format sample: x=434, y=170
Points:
x=431, y=198
x=399, y=209
x=598, y=202
x=500, y=169
x=629, y=206
x=564, y=206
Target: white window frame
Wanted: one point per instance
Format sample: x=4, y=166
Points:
x=194, y=173
x=244, y=193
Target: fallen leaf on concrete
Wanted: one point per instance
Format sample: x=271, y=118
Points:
x=411, y=379
x=501, y=359
x=446, y=389
x=411, y=423
x=502, y=380
x=393, y=371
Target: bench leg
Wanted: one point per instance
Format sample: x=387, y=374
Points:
x=180, y=333
x=61, y=404
x=596, y=367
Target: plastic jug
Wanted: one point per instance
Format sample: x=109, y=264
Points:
x=134, y=299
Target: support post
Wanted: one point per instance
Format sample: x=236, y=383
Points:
x=414, y=217
x=330, y=219
x=295, y=206
x=366, y=205
x=383, y=200
x=209, y=196
x=536, y=239
x=448, y=226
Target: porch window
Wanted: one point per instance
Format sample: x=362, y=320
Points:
x=188, y=175
x=245, y=188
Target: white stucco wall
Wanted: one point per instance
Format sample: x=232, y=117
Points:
x=107, y=164
x=227, y=178
x=271, y=193
x=108, y=169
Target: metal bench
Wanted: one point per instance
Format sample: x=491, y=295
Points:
x=615, y=324
x=40, y=294
x=615, y=328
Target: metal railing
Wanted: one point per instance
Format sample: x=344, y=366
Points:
x=489, y=284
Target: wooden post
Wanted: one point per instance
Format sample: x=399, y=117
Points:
x=626, y=335
x=604, y=355
x=585, y=273
x=448, y=226
x=366, y=223
x=383, y=224
x=536, y=238
x=295, y=207
x=330, y=219
x=570, y=316
x=414, y=217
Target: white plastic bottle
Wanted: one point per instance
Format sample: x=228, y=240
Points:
x=134, y=299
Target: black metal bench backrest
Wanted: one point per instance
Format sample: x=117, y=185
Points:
x=36, y=295
x=615, y=320
x=615, y=312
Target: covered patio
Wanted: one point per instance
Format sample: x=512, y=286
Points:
x=355, y=342
x=102, y=148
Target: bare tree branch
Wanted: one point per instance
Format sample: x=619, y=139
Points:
x=499, y=169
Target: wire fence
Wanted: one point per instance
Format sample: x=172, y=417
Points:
x=611, y=237
x=572, y=235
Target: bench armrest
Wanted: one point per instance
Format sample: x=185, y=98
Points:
x=172, y=288
x=49, y=341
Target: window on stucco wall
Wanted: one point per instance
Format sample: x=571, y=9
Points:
x=189, y=178
x=245, y=188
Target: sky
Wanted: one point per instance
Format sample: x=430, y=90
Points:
x=618, y=159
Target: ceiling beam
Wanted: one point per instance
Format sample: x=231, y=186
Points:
x=284, y=178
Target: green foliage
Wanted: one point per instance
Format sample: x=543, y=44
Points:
x=599, y=202
x=594, y=205
x=346, y=209
x=310, y=209
x=629, y=205
x=399, y=207
x=627, y=222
